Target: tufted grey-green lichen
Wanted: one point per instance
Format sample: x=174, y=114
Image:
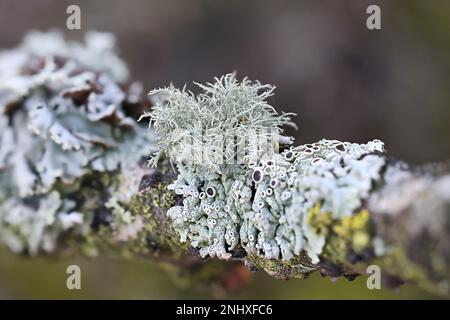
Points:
x=63, y=118
x=208, y=128
x=243, y=186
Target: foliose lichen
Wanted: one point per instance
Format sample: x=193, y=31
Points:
x=243, y=186
x=65, y=114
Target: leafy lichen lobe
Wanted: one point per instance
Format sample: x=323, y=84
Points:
x=263, y=203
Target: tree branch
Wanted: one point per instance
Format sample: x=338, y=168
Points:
x=75, y=178
x=407, y=227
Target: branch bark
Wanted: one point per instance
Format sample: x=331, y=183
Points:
x=403, y=228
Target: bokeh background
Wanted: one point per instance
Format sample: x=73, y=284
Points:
x=343, y=80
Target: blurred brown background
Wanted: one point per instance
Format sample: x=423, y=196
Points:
x=345, y=82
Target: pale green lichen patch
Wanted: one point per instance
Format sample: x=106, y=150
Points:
x=298, y=267
x=411, y=216
x=151, y=204
x=345, y=237
x=261, y=204
x=64, y=117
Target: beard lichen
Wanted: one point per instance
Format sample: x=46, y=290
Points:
x=243, y=187
x=65, y=117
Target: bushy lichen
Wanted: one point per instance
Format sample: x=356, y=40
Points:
x=247, y=195
x=208, y=128
x=64, y=115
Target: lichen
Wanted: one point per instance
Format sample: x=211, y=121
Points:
x=413, y=242
x=64, y=117
x=349, y=241
x=26, y=226
x=151, y=203
x=207, y=128
x=241, y=192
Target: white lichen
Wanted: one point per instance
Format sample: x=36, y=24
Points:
x=33, y=225
x=208, y=128
x=262, y=203
x=62, y=118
